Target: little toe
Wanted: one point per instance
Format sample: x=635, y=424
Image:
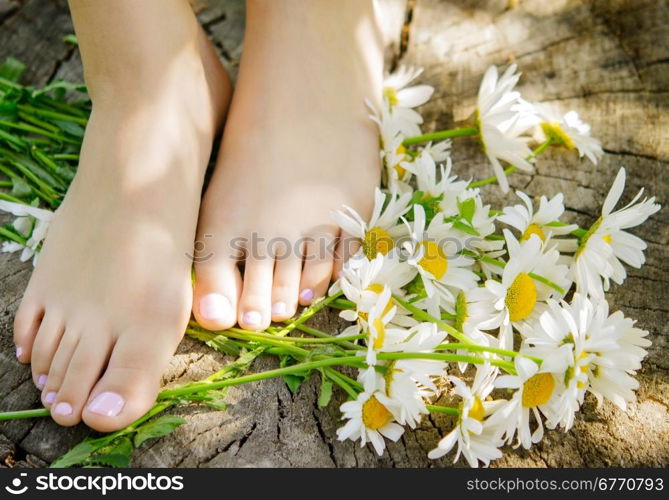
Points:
x=218, y=284
x=26, y=324
x=255, y=303
x=131, y=381
x=44, y=348
x=83, y=371
x=286, y=286
x=318, y=263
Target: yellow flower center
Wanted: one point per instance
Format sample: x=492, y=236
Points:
x=377, y=289
x=477, y=411
x=391, y=94
x=607, y=238
x=538, y=389
x=554, y=132
x=533, y=229
x=401, y=171
x=380, y=333
x=377, y=241
x=521, y=297
x=434, y=259
x=374, y=414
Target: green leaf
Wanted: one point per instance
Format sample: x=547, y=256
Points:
x=118, y=454
x=20, y=188
x=159, y=427
x=467, y=209
x=325, y=393
x=12, y=69
x=76, y=455
x=458, y=224
x=293, y=382
x=71, y=128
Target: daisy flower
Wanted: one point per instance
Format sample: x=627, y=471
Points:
x=606, y=244
x=399, y=99
x=433, y=251
x=502, y=119
x=518, y=298
x=533, y=389
x=409, y=381
x=477, y=440
x=377, y=234
x=363, y=282
x=397, y=92
x=570, y=132
x=541, y=222
x=369, y=420
x=31, y=222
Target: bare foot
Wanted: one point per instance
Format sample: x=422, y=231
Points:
x=298, y=144
x=111, y=295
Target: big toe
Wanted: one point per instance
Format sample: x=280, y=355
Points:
x=131, y=382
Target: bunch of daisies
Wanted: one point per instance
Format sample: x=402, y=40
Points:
x=505, y=307
x=503, y=311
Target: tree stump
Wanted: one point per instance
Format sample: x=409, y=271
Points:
x=608, y=59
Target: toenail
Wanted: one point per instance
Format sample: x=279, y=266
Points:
x=214, y=306
x=63, y=409
x=50, y=397
x=107, y=404
x=307, y=295
x=19, y=351
x=280, y=309
x=252, y=318
x=41, y=381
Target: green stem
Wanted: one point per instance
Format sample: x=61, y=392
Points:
x=15, y=415
x=298, y=340
x=440, y=135
x=481, y=348
x=52, y=114
x=10, y=235
x=317, y=333
x=9, y=197
x=424, y=316
x=548, y=283
x=36, y=130
x=451, y=358
x=279, y=372
x=539, y=149
x=442, y=409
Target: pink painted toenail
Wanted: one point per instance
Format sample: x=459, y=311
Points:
x=50, y=397
x=252, y=318
x=63, y=409
x=19, y=351
x=214, y=306
x=307, y=295
x=280, y=309
x=41, y=381
x=107, y=404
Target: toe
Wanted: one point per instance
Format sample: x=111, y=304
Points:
x=346, y=247
x=81, y=374
x=58, y=366
x=26, y=324
x=255, y=303
x=218, y=284
x=318, y=262
x=130, y=384
x=44, y=348
x=286, y=285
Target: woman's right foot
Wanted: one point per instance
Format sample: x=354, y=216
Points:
x=111, y=294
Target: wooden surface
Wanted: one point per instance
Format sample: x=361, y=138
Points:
x=607, y=59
